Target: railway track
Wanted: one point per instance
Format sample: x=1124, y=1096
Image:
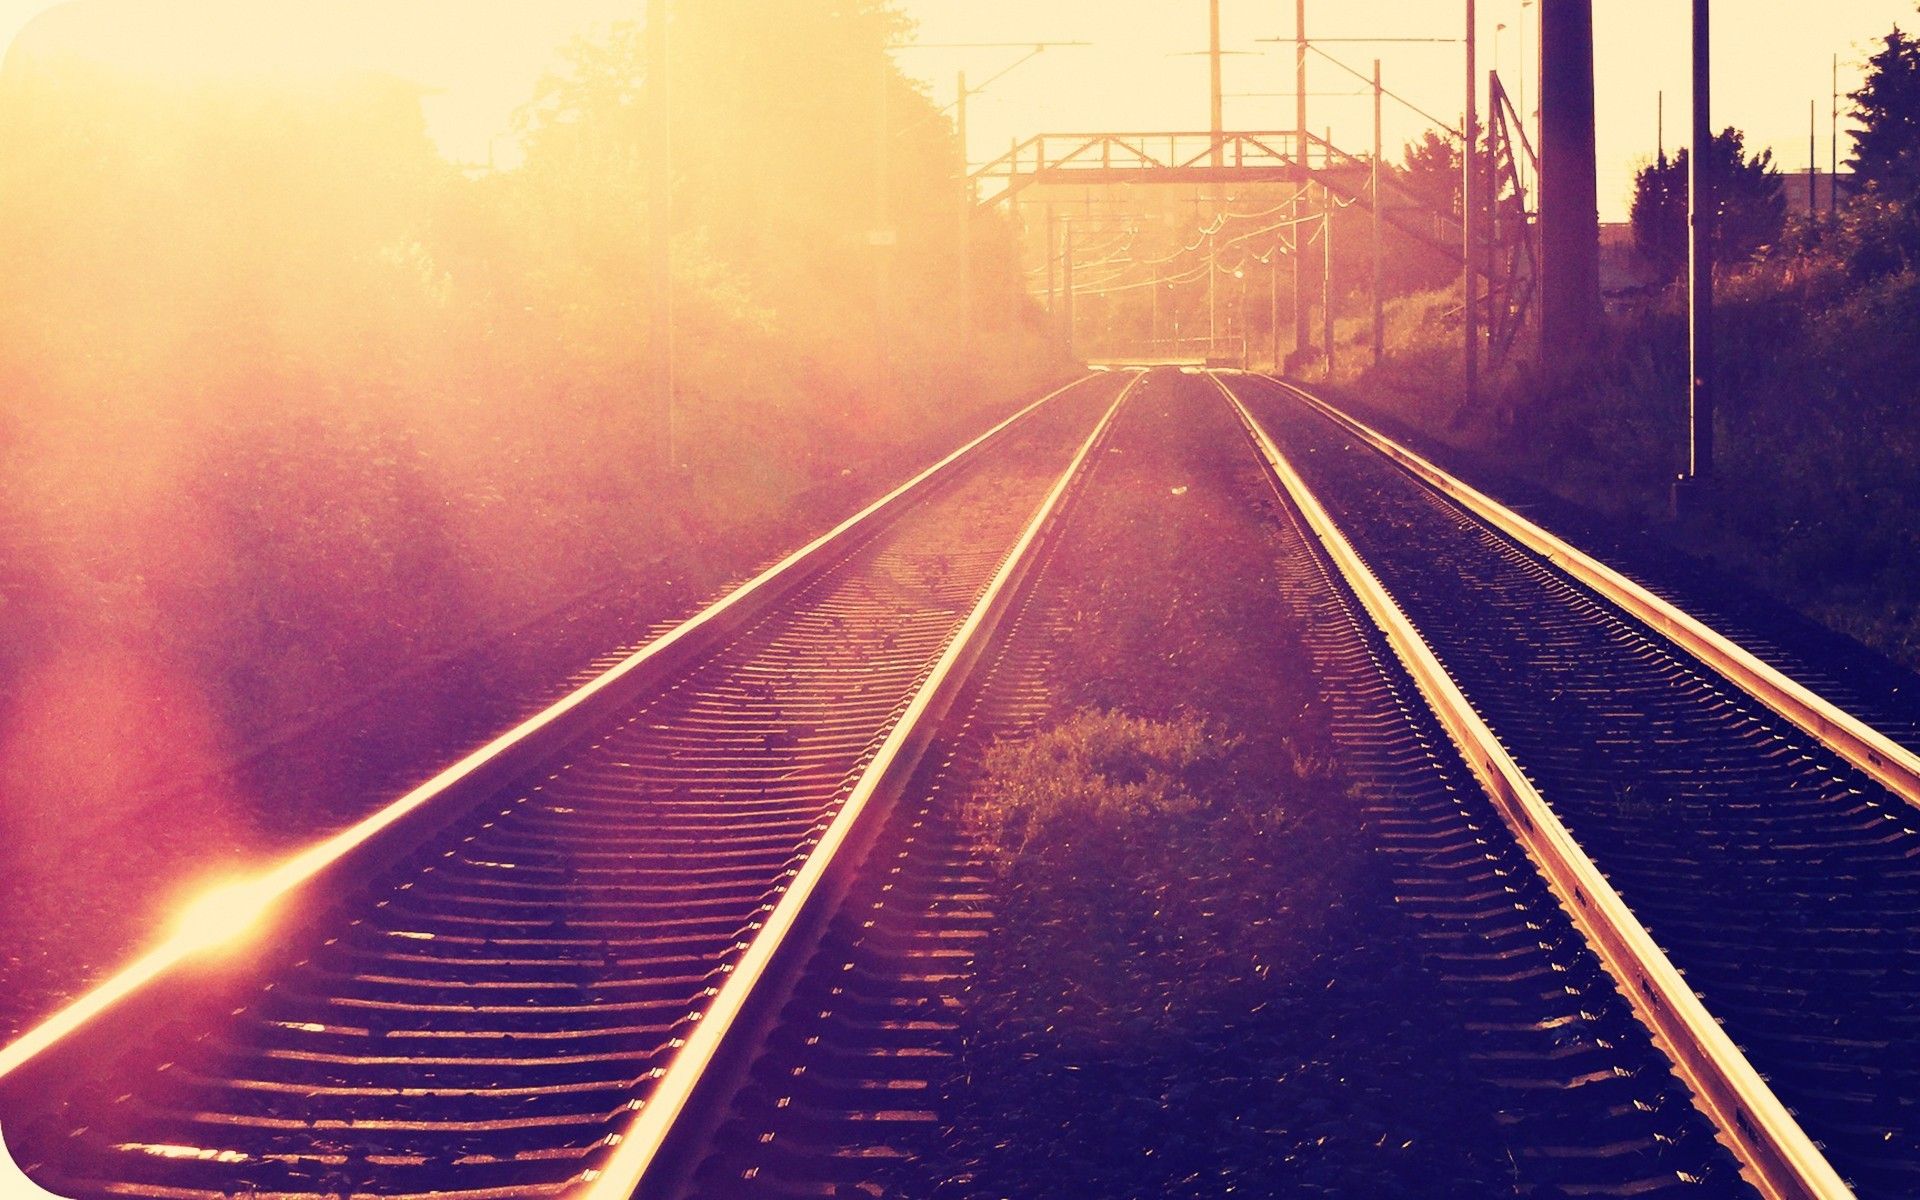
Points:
x=513, y=981
x=847, y=1098
x=855, y=1093
x=632, y=940
x=1765, y=851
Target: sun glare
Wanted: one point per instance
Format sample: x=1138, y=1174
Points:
x=474, y=65
x=222, y=915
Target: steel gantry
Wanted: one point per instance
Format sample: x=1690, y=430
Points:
x=1487, y=233
x=1504, y=269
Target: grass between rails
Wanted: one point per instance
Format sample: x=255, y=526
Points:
x=1199, y=985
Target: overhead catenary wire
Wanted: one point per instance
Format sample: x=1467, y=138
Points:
x=1315, y=223
x=1368, y=79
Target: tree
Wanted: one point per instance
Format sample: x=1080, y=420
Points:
x=1749, y=212
x=1886, y=144
x=1432, y=172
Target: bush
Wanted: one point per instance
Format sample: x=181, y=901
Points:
x=1817, y=499
x=1099, y=775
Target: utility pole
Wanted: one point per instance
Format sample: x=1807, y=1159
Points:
x=1520, y=164
x=1302, y=334
x=1245, y=286
x=1301, y=318
x=1326, y=280
x=1379, y=150
x=1153, y=329
x=1273, y=305
x=1066, y=299
x=1700, y=202
x=1813, y=165
x=968, y=198
x=1569, y=203
x=1833, y=147
x=1490, y=235
x=660, y=224
x=1213, y=59
x=882, y=237
x=1213, y=294
x=1053, y=255
x=1469, y=196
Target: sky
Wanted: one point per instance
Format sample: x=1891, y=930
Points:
x=1770, y=58
x=1144, y=69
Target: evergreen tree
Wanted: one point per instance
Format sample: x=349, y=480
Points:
x=1750, y=205
x=1886, y=154
x=1432, y=172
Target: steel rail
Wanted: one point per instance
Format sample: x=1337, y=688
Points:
x=832, y=1104
x=1773, y=1149
x=531, y=737
x=1886, y=761
x=641, y=1146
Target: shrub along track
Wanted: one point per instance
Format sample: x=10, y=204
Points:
x=1331, y=972
x=1783, y=881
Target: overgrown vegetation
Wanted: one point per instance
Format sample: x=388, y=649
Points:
x=1817, y=492
x=1750, y=210
x=287, y=401
x=1098, y=773
x=1816, y=495
x=1132, y=826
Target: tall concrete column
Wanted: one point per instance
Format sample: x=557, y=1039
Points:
x=1569, y=190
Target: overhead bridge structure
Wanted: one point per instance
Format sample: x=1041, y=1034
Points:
x=1259, y=157
x=1159, y=157
x=1503, y=270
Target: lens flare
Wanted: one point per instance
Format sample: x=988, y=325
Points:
x=222, y=915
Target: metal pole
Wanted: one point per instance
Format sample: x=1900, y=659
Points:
x=1833, y=146
x=1470, y=348
x=1153, y=329
x=1273, y=305
x=1066, y=297
x=1301, y=317
x=1053, y=255
x=1379, y=151
x=1300, y=75
x=968, y=197
x=1700, y=202
x=1813, y=164
x=883, y=234
x=660, y=223
x=1213, y=57
x=1490, y=234
x=1326, y=280
x=1302, y=329
x=1244, y=287
x=1213, y=296
x=1520, y=164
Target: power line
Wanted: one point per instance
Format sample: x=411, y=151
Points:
x=1368, y=79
